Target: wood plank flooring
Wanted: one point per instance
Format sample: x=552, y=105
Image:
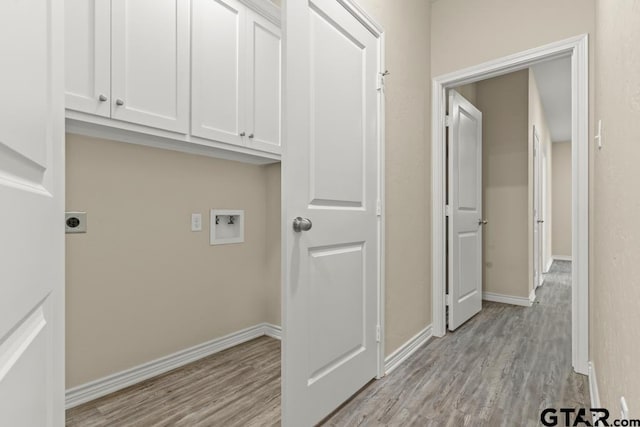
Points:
x=499, y=369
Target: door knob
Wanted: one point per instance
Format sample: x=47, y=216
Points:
x=242, y=134
x=102, y=98
x=250, y=135
x=119, y=102
x=301, y=224
x=540, y=221
x=482, y=222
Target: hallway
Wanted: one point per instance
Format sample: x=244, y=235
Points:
x=503, y=367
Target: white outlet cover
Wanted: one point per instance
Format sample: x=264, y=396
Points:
x=196, y=222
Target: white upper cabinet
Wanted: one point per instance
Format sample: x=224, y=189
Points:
x=150, y=63
x=88, y=56
x=263, y=83
x=218, y=69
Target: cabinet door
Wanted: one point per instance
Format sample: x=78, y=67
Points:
x=88, y=56
x=218, y=70
x=150, y=63
x=263, y=84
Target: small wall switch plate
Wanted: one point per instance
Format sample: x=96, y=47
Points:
x=624, y=409
x=196, y=222
x=75, y=222
x=227, y=226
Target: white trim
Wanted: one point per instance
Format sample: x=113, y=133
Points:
x=559, y=258
x=396, y=358
x=549, y=264
x=114, y=382
x=507, y=299
x=577, y=49
x=265, y=8
x=593, y=387
x=532, y=294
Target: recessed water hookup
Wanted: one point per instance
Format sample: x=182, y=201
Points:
x=227, y=226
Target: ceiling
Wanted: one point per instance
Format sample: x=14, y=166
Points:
x=554, y=85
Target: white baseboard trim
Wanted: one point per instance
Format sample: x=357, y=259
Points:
x=532, y=296
x=549, y=264
x=114, y=382
x=593, y=387
x=507, y=299
x=396, y=358
x=560, y=258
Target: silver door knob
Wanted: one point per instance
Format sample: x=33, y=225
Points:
x=119, y=102
x=482, y=222
x=102, y=98
x=250, y=135
x=242, y=134
x=301, y=224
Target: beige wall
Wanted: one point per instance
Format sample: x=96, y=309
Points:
x=469, y=92
x=408, y=280
x=561, y=189
x=504, y=104
x=615, y=285
x=537, y=118
x=140, y=284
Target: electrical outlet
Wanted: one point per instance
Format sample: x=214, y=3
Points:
x=196, y=222
x=75, y=222
x=624, y=409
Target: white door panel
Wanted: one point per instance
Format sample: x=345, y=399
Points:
x=330, y=175
x=151, y=87
x=263, y=85
x=88, y=56
x=31, y=218
x=465, y=220
x=218, y=70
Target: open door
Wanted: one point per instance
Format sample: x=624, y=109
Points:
x=32, y=213
x=330, y=191
x=538, y=211
x=465, y=210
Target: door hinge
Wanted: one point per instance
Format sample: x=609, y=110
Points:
x=378, y=208
x=378, y=333
x=447, y=121
x=447, y=210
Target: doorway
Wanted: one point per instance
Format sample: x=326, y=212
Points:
x=576, y=49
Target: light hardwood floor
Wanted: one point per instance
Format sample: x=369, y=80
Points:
x=499, y=369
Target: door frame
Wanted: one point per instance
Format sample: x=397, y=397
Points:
x=377, y=30
x=576, y=48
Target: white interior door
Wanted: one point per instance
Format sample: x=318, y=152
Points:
x=465, y=205
x=32, y=213
x=330, y=177
x=150, y=88
x=538, y=212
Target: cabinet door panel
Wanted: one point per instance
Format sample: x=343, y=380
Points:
x=88, y=56
x=263, y=88
x=150, y=54
x=218, y=70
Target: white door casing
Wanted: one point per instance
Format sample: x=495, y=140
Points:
x=538, y=213
x=151, y=90
x=88, y=56
x=218, y=43
x=32, y=213
x=330, y=176
x=465, y=219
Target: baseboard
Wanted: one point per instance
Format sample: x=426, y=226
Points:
x=532, y=296
x=560, y=258
x=506, y=299
x=103, y=386
x=396, y=358
x=549, y=264
x=593, y=387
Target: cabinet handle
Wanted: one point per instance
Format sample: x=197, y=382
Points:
x=119, y=102
x=250, y=135
x=102, y=98
x=242, y=134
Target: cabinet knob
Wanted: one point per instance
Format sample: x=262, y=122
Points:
x=242, y=134
x=119, y=102
x=102, y=98
x=250, y=135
